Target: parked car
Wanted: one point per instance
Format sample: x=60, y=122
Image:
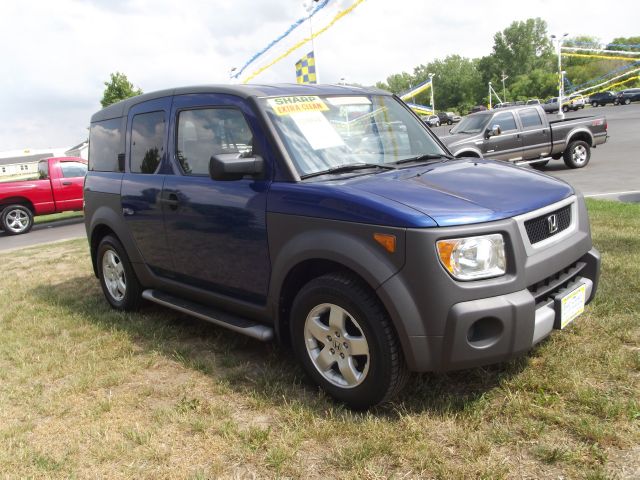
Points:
x=524, y=135
x=503, y=105
x=233, y=207
x=533, y=101
x=58, y=189
x=625, y=97
x=604, y=98
x=551, y=105
x=573, y=102
x=478, y=108
x=431, y=120
x=448, y=117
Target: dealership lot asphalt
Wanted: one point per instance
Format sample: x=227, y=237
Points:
x=613, y=173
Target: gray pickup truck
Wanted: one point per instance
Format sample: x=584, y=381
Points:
x=524, y=135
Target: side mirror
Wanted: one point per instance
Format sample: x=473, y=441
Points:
x=493, y=131
x=233, y=166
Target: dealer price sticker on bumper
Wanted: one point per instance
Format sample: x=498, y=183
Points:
x=572, y=305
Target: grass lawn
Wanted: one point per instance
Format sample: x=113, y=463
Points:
x=57, y=216
x=88, y=392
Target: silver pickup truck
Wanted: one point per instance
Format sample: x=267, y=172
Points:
x=524, y=135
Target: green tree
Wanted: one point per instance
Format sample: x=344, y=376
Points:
x=118, y=88
x=614, y=44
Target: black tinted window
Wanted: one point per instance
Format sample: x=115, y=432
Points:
x=530, y=118
x=147, y=139
x=207, y=132
x=73, y=169
x=505, y=120
x=105, y=143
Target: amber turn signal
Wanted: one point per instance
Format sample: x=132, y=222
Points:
x=387, y=241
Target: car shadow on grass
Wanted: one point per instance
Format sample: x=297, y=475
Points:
x=265, y=372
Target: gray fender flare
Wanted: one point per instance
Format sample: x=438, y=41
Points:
x=468, y=150
x=573, y=133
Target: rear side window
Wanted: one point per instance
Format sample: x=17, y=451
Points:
x=505, y=120
x=73, y=169
x=43, y=170
x=530, y=118
x=147, y=140
x=207, y=132
x=106, y=142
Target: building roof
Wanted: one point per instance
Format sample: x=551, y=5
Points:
x=22, y=159
x=244, y=91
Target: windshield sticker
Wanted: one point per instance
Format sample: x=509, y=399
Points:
x=337, y=101
x=317, y=130
x=289, y=105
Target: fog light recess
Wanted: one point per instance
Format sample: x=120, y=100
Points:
x=484, y=332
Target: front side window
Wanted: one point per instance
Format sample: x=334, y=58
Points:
x=505, y=120
x=530, y=118
x=206, y=132
x=73, y=169
x=472, y=124
x=326, y=132
x=147, y=140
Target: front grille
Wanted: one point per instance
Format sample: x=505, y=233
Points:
x=543, y=290
x=538, y=228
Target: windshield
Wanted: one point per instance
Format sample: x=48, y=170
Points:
x=326, y=132
x=472, y=124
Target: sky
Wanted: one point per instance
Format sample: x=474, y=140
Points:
x=56, y=55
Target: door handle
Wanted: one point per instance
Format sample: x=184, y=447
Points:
x=171, y=200
x=66, y=183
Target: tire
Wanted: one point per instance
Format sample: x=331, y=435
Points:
x=437, y=124
x=335, y=315
x=540, y=165
x=565, y=109
x=449, y=122
x=577, y=155
x=616, y=102
x=627, y=101
x=594, y=104
x=119, y=283
x=16, y=219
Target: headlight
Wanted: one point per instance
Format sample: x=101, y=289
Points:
x=473, y=258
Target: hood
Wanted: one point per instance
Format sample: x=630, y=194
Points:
x=460, y=192
x=452, y=141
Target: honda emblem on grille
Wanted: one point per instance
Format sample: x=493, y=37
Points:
x=552, y=223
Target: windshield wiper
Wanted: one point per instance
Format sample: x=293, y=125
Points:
x=423, y=158
x=347, y=168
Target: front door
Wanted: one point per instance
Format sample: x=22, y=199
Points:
x=216, y=229
x=507, y=145
x=69, y=185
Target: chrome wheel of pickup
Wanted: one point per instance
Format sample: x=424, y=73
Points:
x=113, y=275
x=17, y=219
x=336, y=345
x=579, y=154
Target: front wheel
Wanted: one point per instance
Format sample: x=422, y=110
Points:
x=117, y=278
x=577, y=155
x=565, y=109
x=345, y=341
x=627, y=101
x=594, y=104
x=17, y=219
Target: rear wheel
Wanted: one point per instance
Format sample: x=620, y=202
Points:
x=449, y=122
x=594, y=104
x=17, y=219
x=565, y=109
x=577, y=155
x=627, y=101
x=345, y=341
x=117, y=278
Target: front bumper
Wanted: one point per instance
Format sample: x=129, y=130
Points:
x=444, y=324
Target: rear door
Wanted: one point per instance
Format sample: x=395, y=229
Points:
x=217, y=229
x=68, y=184
x=507, y=145
x=536, y=136
x=145, y=173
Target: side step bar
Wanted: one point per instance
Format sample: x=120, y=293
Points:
x=217, y=317
x=529, y=162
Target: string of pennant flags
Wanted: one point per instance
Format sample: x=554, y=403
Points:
x=341, y=14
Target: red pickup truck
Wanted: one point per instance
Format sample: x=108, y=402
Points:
x=57, y=189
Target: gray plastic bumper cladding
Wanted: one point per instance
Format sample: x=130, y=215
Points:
x=451, y=325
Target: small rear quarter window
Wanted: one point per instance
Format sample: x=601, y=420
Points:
x=106, y=142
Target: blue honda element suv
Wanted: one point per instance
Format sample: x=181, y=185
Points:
x=330, y=218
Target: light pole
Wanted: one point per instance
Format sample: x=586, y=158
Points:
x=490, y=106
x=504, y=91
x=433, y=107
x=309, y=8
x=559, y=40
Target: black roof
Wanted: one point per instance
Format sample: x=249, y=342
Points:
x=244, y=91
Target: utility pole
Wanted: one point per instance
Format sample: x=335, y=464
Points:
x=490, y=107
x=559, y=40
x=433, y=106
x=504, y=91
